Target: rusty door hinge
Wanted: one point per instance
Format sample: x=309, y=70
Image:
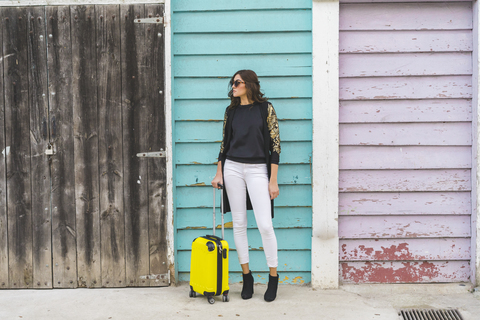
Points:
x=156, y=20
x=157, y=277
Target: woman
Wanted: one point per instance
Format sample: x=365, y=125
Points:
x=248, y=166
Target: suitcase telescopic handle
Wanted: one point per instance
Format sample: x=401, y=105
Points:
x=221, y=209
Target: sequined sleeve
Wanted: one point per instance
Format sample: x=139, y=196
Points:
x=272, y=123
x=222, y=147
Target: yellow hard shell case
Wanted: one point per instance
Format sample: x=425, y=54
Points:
x=209, y=262
x=209, y=268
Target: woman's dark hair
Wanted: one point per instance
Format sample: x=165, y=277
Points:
x=251, y=84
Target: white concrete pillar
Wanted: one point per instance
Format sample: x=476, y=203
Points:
x=325, y=157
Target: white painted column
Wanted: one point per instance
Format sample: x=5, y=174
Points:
x=168, y=139
x=475, y=262
x=325, y=156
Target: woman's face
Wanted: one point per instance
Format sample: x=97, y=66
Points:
x=239, y=90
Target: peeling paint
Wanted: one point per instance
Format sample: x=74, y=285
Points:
x=404, y=272
x=226, y=225
x=201, y=184
x=6, y=151
x=298, y=280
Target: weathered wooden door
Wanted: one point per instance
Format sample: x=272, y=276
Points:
x=81, y=92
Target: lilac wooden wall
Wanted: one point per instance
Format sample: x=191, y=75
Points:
x=405, y=141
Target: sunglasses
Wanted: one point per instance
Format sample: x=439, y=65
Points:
x=236, y=83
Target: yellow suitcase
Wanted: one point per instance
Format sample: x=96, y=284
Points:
x=209, y=263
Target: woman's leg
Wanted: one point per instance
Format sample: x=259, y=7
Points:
x=257, y=184
x=236, y=191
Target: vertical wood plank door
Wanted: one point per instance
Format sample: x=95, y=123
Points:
x=17, y=141
x=3, y=190
x=81, y=93
x=142, y=49
x=39, y=139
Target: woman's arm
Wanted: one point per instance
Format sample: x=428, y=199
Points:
x=273, y=185
x=218, y=177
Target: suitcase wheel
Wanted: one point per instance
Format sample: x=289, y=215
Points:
x=211, y=300
x=192, y=294
x=226, y=298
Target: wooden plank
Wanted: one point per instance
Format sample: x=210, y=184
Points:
x=85, y=118
x=197, y=175
x=60, y=77
x=405, y=203
x=217, y=5
x=209, y=131
x=406, y=16
x=253, y=43
x=405, y=134
x=17, y=137
x=371, y=227
x=210, y=109
x=258, y=21
x=405, y=64
x=192, y=197
x=434, y=110
x=208, y=88
x=110, y=152
x=287, y=239
x=134, y=100
x=405, y=272
x=265, y=65
x=201, y=218
x=295, y=277
x=406, y=41
x=157, y=168
x=405, y=249
x=404, y=180
x=405, y=157
x=406, y=88
x=3, y=168
x=292, y=260
x=207, y=153
x=40, y=168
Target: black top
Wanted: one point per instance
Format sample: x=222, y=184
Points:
x=271, y=143
x=246, y=145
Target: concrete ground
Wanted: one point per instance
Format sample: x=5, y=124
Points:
x=356, y=302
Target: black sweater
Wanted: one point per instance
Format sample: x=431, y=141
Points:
x=270, y=135
x=246, y=145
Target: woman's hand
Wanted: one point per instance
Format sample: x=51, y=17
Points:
x=218, y=179
x=273, y=189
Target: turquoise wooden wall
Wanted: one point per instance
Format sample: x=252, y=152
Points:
x=210, y=41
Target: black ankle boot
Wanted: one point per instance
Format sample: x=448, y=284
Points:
x=247, y=290
x=271, y=292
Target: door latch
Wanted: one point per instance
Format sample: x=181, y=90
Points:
x=51, y=150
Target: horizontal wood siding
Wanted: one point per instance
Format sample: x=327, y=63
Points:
x=405, y=141
x=211, y=41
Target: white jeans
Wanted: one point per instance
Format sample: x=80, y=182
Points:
x=239, y=177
